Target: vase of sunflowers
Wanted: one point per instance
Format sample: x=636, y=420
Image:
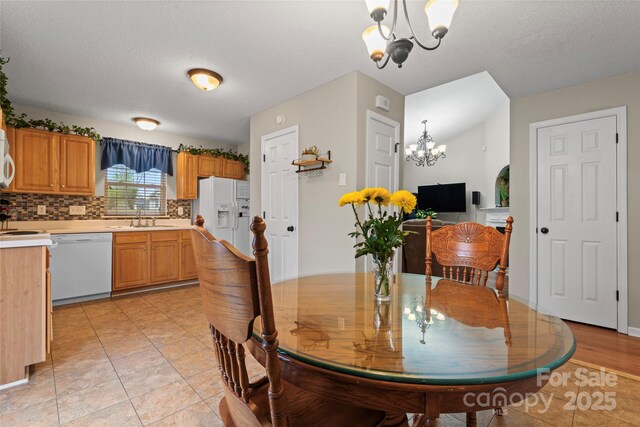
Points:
x=379, y=230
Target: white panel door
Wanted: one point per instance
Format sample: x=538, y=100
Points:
x=280, y=202
x=382, y=159
x=577, y=263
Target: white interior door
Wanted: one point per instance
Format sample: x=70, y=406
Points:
x=576, y=221
x=383, y=135
x=280, y=202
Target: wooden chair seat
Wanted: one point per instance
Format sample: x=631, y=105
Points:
x=305, y=409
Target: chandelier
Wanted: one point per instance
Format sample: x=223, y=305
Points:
x=383, y=42
x=425, y=151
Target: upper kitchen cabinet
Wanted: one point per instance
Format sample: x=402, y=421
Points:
x=232, y=169
x=35, y=160
x=53, y=163
x=191, y=167
x=187, y=176
x=209, y=166
x=77, y=165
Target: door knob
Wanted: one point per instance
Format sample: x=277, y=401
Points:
x=544, y=230
x=290, y=228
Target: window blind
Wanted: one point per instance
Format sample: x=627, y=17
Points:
x=128, y=192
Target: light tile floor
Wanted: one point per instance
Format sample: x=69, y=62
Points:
x=147, y=359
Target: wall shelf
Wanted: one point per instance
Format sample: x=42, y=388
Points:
x=313, y=167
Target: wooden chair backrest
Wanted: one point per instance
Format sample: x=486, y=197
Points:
x=235, y=290
x=469, y=251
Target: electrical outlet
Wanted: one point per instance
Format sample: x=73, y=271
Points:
x=77, y=210
x=42, y=209
x=180, y=210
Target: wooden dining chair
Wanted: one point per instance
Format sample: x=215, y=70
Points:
x=469, y=251
x=235, y=290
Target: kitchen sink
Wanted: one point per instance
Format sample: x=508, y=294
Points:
x=136, y=227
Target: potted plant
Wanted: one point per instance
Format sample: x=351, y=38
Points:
x=424, y=213
x=503, y=186
x=310, y=153
x=380, y=231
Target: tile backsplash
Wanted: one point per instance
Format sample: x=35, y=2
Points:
x=26, y=207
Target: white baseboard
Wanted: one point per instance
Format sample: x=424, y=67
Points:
x=634, y=332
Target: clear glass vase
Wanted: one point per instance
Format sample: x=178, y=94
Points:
x=383, y=277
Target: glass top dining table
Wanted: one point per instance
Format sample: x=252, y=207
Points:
x=434, y=332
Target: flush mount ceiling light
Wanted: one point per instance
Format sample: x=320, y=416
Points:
x=146, y=123
x=425, y=151
x=204, y=79
x=383, y=42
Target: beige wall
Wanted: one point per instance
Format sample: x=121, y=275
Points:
x=117, y=130
x=332, y=117
x=623, y=90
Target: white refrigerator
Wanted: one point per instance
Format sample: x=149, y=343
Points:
x=224, y=205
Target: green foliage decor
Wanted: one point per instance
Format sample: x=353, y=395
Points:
x=216, y=152
x=424, y=213
x=22, y=121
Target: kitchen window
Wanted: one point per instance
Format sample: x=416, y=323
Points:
x=128, y=192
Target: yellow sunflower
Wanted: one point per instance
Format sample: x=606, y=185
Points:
x=382, y=196
x=368, y=194
x=353, y=198
x=404, y=200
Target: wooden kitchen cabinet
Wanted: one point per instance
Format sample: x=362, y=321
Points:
x=77, y=165
x=34, y=154
x=52, y=163
x=165, y=257
x=24, y=311
x=232, y=169
x=130, y=260
x=209, y=166
x=187, y=176
x=144, y=258
x=191, y=167
x=187, y=259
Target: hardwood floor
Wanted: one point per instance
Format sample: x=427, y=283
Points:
x=606, y=347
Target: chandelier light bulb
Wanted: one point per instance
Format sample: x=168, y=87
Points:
x=421, y=153
x=408, y=151
x=413, y=147
x=442, y=148
x=376, y=44
x=411, y=317
x=378, y=8
x=440, y=14
x=430, y=145
x=407, y=310
x=435, y=151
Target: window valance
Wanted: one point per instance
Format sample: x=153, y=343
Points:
x=138, y=156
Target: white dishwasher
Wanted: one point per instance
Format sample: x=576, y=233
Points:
x=80, y=267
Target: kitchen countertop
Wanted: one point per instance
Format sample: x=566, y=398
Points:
x=40, y=239
x=99, y=226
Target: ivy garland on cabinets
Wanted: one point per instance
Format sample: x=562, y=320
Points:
x=217, y=152
x=22, y=121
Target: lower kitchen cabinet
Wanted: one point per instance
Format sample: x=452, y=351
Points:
x=187, y=260
x=144, y=258
x=165, y=257
x=130, y=265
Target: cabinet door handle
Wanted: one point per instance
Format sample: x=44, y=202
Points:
x=50, y=185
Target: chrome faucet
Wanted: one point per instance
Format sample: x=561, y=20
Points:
x=139, y=216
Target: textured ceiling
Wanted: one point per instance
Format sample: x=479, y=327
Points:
x=116, y=60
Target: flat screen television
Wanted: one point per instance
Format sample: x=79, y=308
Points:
x=443, y=197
